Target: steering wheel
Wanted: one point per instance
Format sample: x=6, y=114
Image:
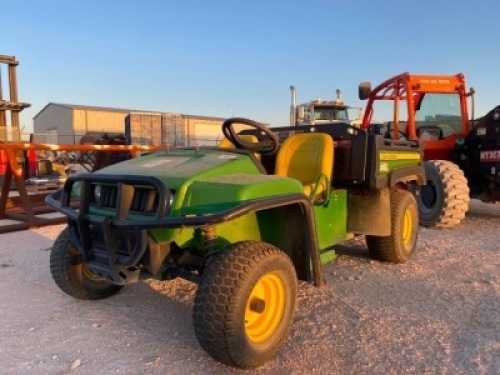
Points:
x=268, y=145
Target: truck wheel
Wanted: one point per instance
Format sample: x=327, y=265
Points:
x=398, y=247
x=72, y=276
x=245, y=304
x=444, y=201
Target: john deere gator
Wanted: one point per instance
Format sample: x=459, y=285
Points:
x=244, y=221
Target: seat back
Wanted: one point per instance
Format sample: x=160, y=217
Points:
x=309, y=159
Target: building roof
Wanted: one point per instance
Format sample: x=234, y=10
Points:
x=123, y=110
x=94, y=108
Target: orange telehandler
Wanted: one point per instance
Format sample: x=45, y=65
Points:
x=462, y=156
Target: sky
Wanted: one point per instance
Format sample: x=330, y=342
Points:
x=228, y=58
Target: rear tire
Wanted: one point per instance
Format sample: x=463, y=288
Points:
x=72, y=276
x=245, y=304
x=399, y=246
x=444, y=201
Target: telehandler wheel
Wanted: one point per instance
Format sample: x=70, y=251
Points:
x=245, y=304
x=399, y=246
x=444, y=201
x=72, y=276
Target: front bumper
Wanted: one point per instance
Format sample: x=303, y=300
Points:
x=110, y=252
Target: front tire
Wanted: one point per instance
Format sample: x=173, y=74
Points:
x=72, y=276
x=399, y=246
x=444, y=200
x=245, y=304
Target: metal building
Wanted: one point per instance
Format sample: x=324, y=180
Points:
x=68, y=123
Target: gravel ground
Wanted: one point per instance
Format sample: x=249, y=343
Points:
x=438, y=313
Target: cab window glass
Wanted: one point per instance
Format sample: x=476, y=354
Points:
x=440, y=111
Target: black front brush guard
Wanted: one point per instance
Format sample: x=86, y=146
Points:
x=108, y=261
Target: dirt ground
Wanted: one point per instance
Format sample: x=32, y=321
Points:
x=438, y=313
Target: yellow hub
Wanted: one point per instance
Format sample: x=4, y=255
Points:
x=264, y=308
x=407, y=227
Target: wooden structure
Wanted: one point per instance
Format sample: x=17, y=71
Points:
x=12, y=105
x=157, y=129
x=173, y=129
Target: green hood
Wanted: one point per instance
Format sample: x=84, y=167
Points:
x=178, y=167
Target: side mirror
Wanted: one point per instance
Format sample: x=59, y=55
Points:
x=364, y=90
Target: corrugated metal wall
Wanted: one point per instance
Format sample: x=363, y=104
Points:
x=144, y=129
x=173, y=129
x=203, y=131
x=92, y=121
x=54, y=119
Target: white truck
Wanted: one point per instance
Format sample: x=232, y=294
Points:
x=320, y=111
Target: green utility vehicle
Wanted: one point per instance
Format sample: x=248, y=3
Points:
x=245, y=222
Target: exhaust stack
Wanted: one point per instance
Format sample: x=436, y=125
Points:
x=339, y=99
x=293, y=106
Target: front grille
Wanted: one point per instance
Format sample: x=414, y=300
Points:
x=145, y=200
x=108, y=196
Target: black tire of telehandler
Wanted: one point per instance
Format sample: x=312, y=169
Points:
x=444, y=201
x=223, y=298
x=399, y=246
x=72, y=276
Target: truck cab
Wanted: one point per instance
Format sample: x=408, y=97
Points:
x=318, y=111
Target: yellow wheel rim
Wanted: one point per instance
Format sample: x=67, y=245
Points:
x=407, y=227
x=264, y=308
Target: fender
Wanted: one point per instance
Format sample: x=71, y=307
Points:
x=413, y=173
